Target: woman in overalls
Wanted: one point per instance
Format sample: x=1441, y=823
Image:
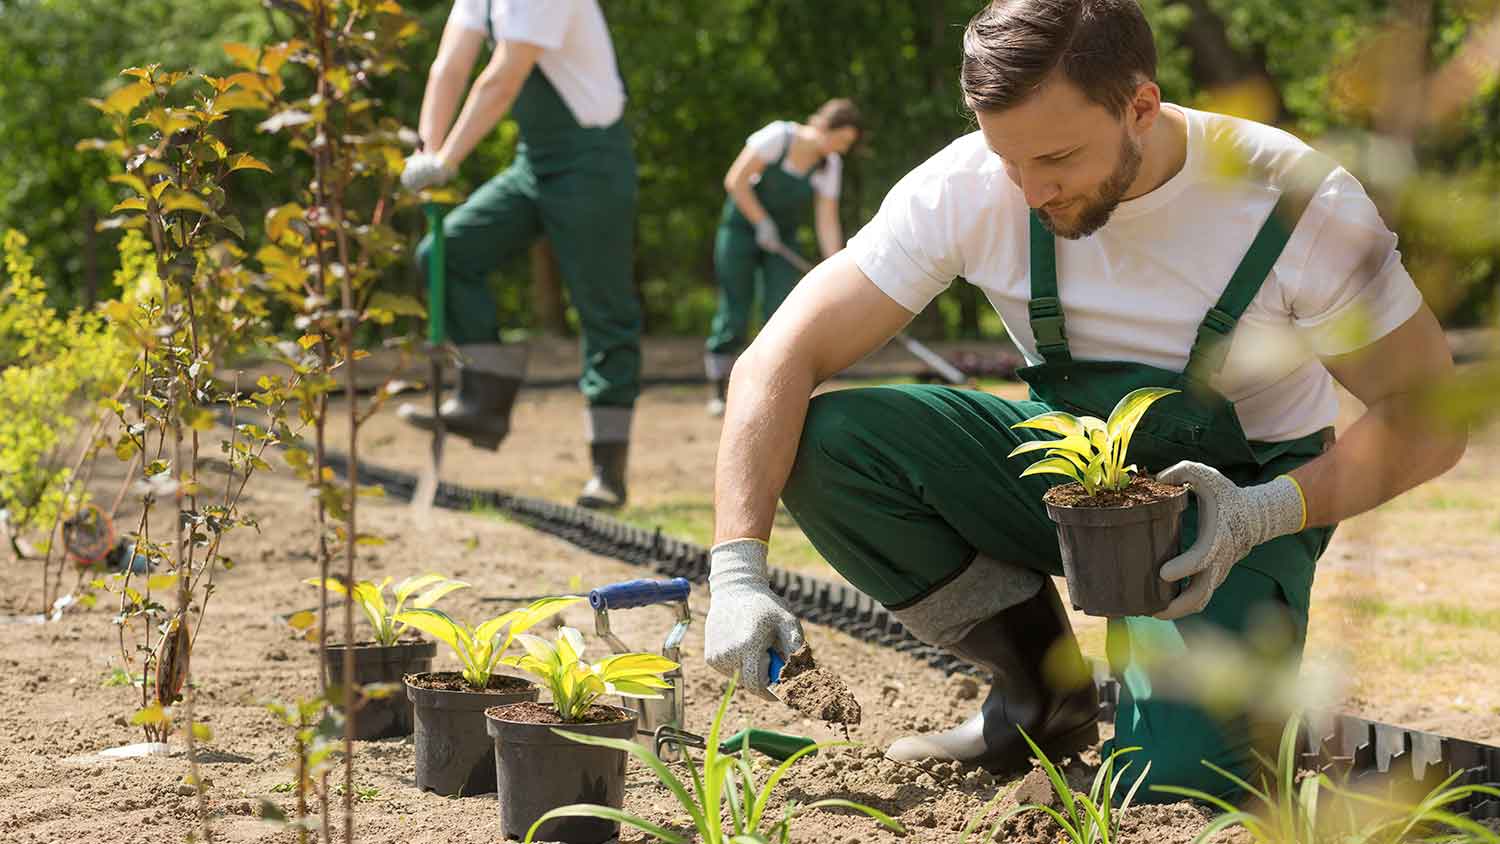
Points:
x=573, y=180
x=784, y=168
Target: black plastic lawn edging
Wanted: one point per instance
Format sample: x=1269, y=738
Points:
x=1367, y=752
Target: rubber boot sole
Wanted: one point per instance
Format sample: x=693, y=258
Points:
x=489, y=440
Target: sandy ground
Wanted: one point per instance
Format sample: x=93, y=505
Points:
x=1404, y=603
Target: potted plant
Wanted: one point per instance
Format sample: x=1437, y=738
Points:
x=538, y=768
x=391, y=655
x=454, y=755
x=1114, y=528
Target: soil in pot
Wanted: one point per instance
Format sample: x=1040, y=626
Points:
x=455, y=756
x=390, y=716
x=1114, y=543
x=816, y=692
x=537, y=770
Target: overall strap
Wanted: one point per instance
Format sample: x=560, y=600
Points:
x=1045, y=309
x=1298, y=187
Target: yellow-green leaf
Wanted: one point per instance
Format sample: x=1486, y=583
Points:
x=201, y=732
x=433, y=595
x=439, y=625
x=131, y=181
x=302, y=620
x=134, y=203
x=330, y=584
x=278, y=218
x=151, y=716
x=1053, y=466
x=158, y=582
x=183, y=201
x=123, y=100
x=1056, y=421
x=246, y=161
x=243, y=55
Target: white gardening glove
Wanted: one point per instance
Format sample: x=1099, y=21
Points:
x=766, y=235
x=745, y=619
x=424, y=170
x=1232, y=520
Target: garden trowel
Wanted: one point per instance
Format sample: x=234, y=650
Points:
x=426, y=491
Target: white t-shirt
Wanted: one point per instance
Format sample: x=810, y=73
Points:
x=770, y=142
x=577, y=54
x=1138, y=288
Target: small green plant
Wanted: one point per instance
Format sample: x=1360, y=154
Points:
x=1091, y=451
x=576, y=684
x=1316, y=809
x=723, y=780
x=479, y=648
x=1085, y=818
x=370, y=597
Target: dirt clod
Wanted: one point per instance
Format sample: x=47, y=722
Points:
x=1035, y=789
x=963, y=687
x=816, y=692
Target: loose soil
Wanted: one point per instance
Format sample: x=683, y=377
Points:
x=531, y=712
x=816, y=692
x=1142, y=490
x=453, y=681
x=1403, y=610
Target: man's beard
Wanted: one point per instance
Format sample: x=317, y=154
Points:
x=1096, y=212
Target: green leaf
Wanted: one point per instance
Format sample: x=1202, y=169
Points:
x=1055, y=421
x=1053, y=466
x=440, y=626
x=302, y=620
x=202, y=732
x=159, y=582
x=587, y=810
x=134, y=203
x=177, y=200
x=152, y=716
x=246, y=161
x=398, y=305
x=1127, y=414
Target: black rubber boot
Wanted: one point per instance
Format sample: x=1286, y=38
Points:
x=606, y=489
x=1014, y=646
x=479, y=412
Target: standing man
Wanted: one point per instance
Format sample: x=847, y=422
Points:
x=573, y=179
x=1126, y=242
x=784, y=168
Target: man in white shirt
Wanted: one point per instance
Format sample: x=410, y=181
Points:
x=1126, y=243
x=573, y=179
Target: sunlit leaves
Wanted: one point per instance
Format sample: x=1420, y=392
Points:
x=1090, y=451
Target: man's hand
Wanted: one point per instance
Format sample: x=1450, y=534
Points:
x=424, y=170
x=767, y=237
x=745, y=619
x=1232, y=520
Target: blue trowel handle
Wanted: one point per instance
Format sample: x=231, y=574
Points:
x=773, y=671
x=639, y=593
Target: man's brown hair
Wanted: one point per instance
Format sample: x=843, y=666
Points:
x=1011, y=47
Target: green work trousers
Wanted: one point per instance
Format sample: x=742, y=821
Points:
x=743, y=269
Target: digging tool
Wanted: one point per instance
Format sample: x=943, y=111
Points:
x=426, y=491
x=947, y=371
x=662, y=719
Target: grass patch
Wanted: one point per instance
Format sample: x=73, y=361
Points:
x=1450, y=615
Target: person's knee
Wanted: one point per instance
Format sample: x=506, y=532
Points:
x=828, y=432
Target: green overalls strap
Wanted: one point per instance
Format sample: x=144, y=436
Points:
x=742, y=267
x=899, y=487
x=576, y=185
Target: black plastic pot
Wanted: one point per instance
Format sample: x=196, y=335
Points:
x=455, y=756
x=390, y=716
x=537, y=770
x=1112, y=556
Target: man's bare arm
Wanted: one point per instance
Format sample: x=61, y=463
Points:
x=834, y=317
x=1399, y=442
x=446, y=81
x=490, y=99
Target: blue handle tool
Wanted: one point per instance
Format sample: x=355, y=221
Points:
x=639, y=593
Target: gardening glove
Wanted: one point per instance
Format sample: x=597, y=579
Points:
x=1232, y=520
x=424, y=170
x=745, y=619
x=766, y=235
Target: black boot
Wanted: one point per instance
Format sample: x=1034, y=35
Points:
x=1014, y=647
x=606, y=489
x=478, y=412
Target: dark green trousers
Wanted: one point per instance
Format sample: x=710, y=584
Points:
x=588, y=211
x=898, y=487
x=742, y=268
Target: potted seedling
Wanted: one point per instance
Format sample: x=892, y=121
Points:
x=454, y=754
x=391, y=655
x=537, y=769
x=1114, y=528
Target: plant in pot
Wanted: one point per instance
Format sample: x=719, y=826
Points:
x=538, y=768
x=454, y=755
x=1114, y=528
x=391, y=655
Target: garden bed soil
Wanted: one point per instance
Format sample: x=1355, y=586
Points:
x=531, y=712
x=1142, y=490
x=816, y=692
x=453, y=681
x=1432, y=549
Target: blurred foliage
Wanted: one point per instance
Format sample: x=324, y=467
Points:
x=702, y=76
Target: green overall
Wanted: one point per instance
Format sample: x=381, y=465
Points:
x=577, y=186
x=898, y=487
x=739, y=263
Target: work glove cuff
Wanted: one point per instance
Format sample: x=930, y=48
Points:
x=1277, y=509
x=739, y=562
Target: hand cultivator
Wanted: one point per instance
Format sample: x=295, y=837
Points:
x=662, y=719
